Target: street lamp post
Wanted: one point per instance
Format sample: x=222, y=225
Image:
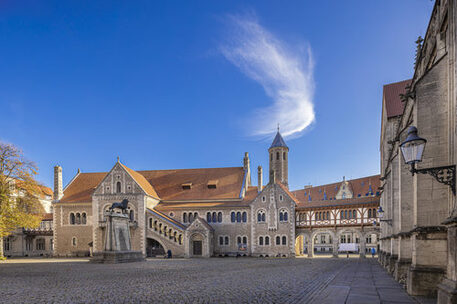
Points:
x=413, y=149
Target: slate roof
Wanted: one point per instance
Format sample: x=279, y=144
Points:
x=278, y=141
x=391, y=95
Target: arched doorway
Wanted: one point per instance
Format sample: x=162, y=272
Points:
x=154, y=248
x=301, y=245
x=196, y=245
x=322, y=244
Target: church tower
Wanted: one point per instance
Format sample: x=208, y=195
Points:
x=279, y=158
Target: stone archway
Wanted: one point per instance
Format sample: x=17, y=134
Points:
x=154, y=248
x=353, y=236
x=302, y=241
x=330, y=247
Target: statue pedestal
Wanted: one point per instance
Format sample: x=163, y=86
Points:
x=117, y=241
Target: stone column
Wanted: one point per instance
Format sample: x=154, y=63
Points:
x=310, y=248
x=335, y=247
x=362, y=247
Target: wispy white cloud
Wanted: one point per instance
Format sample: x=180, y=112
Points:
x=284, y=71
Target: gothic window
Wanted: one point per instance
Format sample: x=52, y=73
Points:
x=84, y=218
x=227, y=241
x=261, y=216
x=245, y=240
x=72, y=219
x=118, y=187
x=369, y=213
x=40, y=244
x=221, y=240
x=284, y=240
x=232, y=217
x=219, y=217
x=277, y=155
x=184, y=217
x=261, y=241
x=281, y=216
x=267, y=240
x=286, y=216
x=238, y=217
x=278, y=240
x=214, y=217
x=244, y=217
x=78, y=219
x=208, y=217
x=132, y=215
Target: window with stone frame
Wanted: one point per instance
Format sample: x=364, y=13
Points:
x=261, y=240
x=284, y=240
x=40, y=244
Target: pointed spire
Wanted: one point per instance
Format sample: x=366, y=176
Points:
x=118, y=159
x=278, y=141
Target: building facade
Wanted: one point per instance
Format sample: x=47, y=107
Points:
x=206, y=212
x=418, y=232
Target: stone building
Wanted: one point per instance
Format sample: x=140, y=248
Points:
x=203, y=212
x=418, y=238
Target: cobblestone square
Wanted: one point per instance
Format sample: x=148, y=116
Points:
x=215, y=280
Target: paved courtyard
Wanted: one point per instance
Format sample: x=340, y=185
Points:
x=216, y=280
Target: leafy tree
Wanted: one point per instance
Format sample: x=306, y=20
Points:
x=19, y=192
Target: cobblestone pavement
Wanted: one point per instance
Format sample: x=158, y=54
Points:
x=216, y=280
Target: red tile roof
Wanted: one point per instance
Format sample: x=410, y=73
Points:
x=357, y=186
x=167, y=184
x=47, y=217
x=391, y=95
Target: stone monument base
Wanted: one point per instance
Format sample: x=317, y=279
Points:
x=113, y=257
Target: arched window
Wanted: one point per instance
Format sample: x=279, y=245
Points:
x=278, y=240
x=160, y=228
x=263, y=217
x=369, y=213
x=286, y=216
x=227, y=241
x=281, y=216
x=180, y=239
x=320, y=215
x=245, y=240
x=316, y=216
x=354, y=214
x=277, y=155
x=78, y=218
x=284, y=240
x=261, y=241
x=214, y=217
x=232, y=217
x=238, y=240
x=174, y=236
x=328, y=215
x=195, y=215
x=341, y=214
x=219, y=217
x=72, y=218
x=284, y=155
x=84, y=218
x=208, y=217
x=165, y=231
x=238, y=217
x=374, y=212
x=191, y=217
x=350, y=214
x=150, y=223
x=184, y=217
x=267, y=240
x=345, y=214
x=170, y=234
x=118, y=187
x=132, y=215
x=245, y=217
x=155, y=225
x=74, y=241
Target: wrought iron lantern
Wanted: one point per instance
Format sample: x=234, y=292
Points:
x=413, y=149
x=381, y=215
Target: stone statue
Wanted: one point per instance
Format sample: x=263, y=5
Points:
x=122, y=205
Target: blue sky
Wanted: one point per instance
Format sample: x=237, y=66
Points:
x=180, y=84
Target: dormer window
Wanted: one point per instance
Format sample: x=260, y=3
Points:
x=212, y=184
x=186, y=186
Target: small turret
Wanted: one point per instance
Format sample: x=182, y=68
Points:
x=247, y=168
x=58, y=183
x=259, y=178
